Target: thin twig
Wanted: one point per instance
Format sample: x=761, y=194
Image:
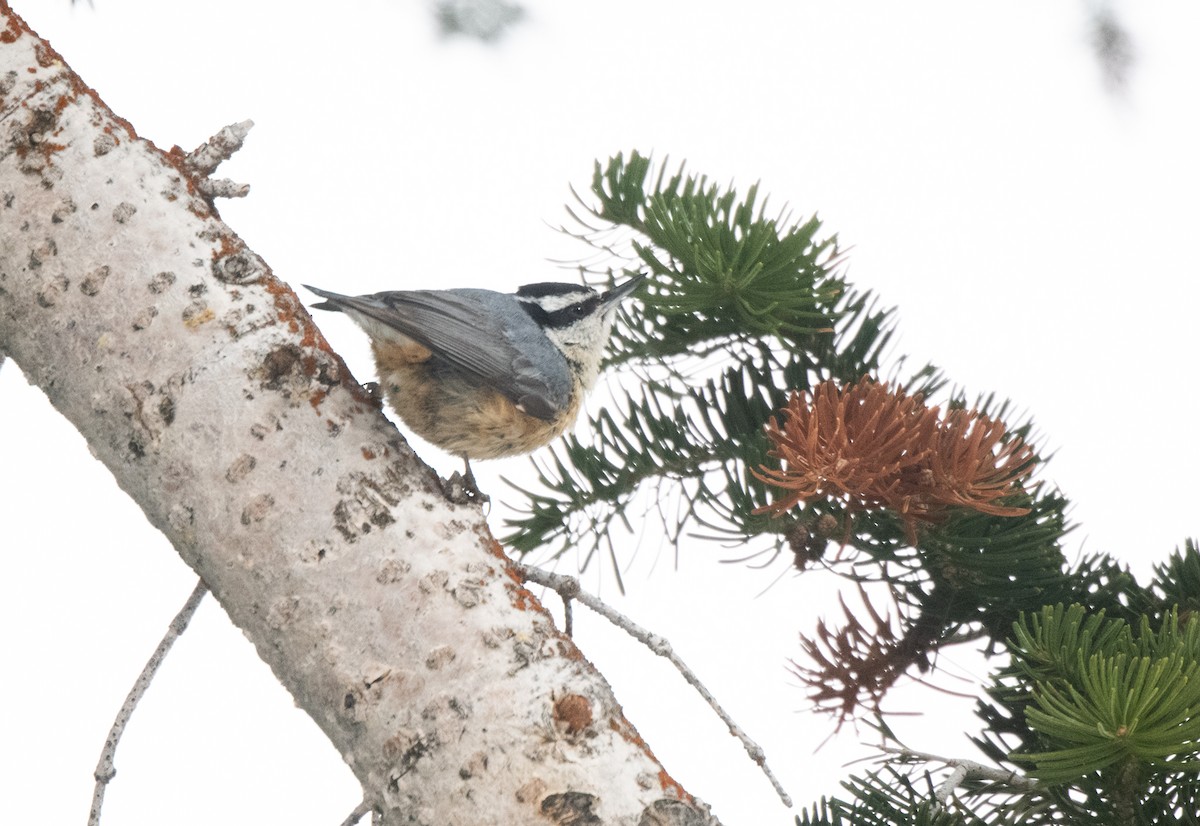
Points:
x=105, y=770
x=568, y=590
x=964, y=770
x=946, y=787
x=356, y=815
x=568, y=587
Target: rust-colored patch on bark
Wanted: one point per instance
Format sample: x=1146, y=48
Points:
x=521, y=598
x=44, y=55
x=62, y=103
x=574, y=712
x=228, y=244
x=671, y=785
x=568, y=650
x=12, y=30
x=625, y=729
x=202, y=207
x=497, y=550
x=324, y=362
x=290, y=311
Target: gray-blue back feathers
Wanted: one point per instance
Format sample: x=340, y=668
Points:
x=482, y=333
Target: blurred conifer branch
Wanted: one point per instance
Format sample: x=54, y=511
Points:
x=485, y=20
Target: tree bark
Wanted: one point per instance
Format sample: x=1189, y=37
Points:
x=390, y=614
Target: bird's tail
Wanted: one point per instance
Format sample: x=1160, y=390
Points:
x=333, y=301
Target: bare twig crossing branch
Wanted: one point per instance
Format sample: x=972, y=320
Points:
x=569, y=589
x=963, y=771
x=105, y=770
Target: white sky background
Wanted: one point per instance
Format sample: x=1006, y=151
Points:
x=1036, y=233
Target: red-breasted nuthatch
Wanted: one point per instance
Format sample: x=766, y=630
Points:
x=483, y=374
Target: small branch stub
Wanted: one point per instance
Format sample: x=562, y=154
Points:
x=205, y=159
x=223, y=188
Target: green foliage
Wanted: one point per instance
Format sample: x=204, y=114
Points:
x=743, y=309
x=1096, y=710
x=1177, y=581
x=695, y=442
x=1103, y=695
x=722, y=268
x=886, y=798
x=1105, y=711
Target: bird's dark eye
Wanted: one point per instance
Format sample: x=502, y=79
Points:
x=563, y=316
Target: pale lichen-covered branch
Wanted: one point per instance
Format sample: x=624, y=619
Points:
x=197, y=378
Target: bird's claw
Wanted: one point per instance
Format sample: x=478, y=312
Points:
x=375, y=391
x=462, y=490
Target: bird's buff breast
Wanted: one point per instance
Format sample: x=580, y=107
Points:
x=461, y=417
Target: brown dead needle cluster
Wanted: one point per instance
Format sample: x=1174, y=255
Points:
x=872, y=447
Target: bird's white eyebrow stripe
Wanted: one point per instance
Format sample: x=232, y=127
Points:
x=559, y=317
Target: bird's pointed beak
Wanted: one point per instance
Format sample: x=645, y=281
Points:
x=614, y=296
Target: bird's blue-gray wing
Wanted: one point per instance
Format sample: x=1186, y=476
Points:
x=480, y=332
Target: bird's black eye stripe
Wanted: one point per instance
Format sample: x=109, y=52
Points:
x=564, y=317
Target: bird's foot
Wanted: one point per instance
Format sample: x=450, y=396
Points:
x=461, y=489
x=375, y=391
